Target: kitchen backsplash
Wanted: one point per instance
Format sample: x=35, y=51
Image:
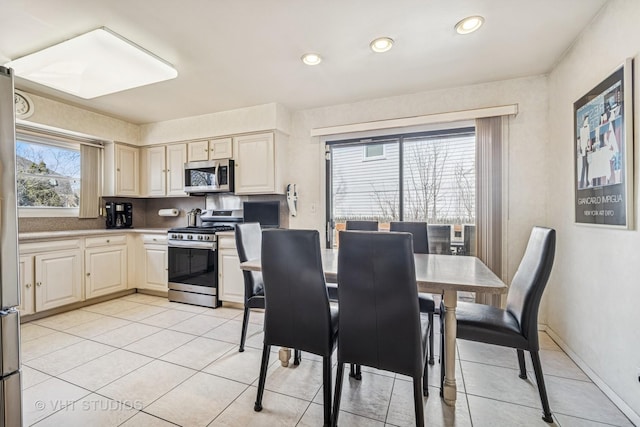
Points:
x=145, y=214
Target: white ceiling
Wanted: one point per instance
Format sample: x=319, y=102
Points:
x=233, y=54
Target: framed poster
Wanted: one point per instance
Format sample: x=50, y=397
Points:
x=603, y=152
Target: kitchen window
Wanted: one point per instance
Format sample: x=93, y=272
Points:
x=427, y=176
x=50, y=174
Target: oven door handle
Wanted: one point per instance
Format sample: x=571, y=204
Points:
x=190, y=244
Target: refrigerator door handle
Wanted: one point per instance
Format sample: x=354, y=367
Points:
x=10, y=341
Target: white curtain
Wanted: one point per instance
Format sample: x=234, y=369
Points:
x=91, y=181
x=489, y=198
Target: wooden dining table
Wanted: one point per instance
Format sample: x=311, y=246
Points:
x=437, y=274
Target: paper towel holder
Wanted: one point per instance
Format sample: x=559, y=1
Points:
x=168, y=212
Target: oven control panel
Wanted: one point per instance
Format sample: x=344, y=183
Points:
x=193, y=237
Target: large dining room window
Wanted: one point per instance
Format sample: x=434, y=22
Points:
x=428, y=176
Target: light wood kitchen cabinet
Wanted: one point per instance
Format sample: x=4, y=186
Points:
x=230, y=279
x=154, y=171
x=214, y=149
x=163, y=170
x=105, y=260
x=176, y=158
x=259, y=163
x=127, y=170
x=221, y=148
x=27, y=297
x=58, y=279
x=55, y=271
x=121, y=170
x=154, y=260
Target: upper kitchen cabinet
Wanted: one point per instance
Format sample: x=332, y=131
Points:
x=210, y=150
x=122, y=170
x=163, y=170
x=260, y=162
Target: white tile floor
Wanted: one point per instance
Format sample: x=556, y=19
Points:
x=143, y=361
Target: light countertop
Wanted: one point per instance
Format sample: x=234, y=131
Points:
x=45, y=235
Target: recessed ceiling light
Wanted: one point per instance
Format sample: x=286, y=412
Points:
x=311, y=58
x=93, y=64
x=381, y=44
x=469, y=24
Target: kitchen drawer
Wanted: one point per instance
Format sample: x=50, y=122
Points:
x=92, y=242
x=53, y=245
x=154, y=239
x=226, y=242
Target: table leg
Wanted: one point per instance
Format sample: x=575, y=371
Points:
x=284, y=355
x=449, y=387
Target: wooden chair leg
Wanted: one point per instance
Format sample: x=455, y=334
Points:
x=417, y=401
x=326, y=388
x=523, y=367
x=537, y=368
x=263, y=376
x=297, y=355
x=243, y=334
x=431, y=360
x=338, y=394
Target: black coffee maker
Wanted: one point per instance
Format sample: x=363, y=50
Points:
x=119, y=215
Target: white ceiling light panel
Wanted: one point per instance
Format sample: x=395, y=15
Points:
x=94, y=64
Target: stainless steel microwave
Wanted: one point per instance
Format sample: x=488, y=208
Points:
x=212, y=176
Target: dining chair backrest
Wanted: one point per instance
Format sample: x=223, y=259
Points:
x=530, y=280
x=470, y=240
x=249, y=246
x=297, y=306
x=379, y=315
x=419, y=232
x=362, y=225
x=439, y=239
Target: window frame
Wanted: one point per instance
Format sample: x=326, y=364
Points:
x=48, y=211
x=435, y=133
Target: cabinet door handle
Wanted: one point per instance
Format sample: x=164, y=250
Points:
x=28, y=285
x=108, y=241
x=206, y=149
x=88, y=274
x=38, y=284
x=118, y=169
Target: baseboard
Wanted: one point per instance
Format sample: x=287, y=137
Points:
x=626, y=409
x=73, y=306
x=152, y=292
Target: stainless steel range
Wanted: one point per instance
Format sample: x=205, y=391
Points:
x=193, y=258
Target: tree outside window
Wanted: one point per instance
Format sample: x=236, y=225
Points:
x=47, y=175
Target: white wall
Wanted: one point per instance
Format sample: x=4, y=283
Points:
x=526, y=149
x=64, y=116
x=594, y=293
x=251, y=119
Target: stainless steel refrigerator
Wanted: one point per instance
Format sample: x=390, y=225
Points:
x=10, y=391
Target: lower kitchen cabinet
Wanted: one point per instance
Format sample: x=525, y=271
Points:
x=27, y=297
x=105, y=270
x=58, y=279
x=50, y=275
x=230, y=279
x=154, y=261
x=155, y=257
